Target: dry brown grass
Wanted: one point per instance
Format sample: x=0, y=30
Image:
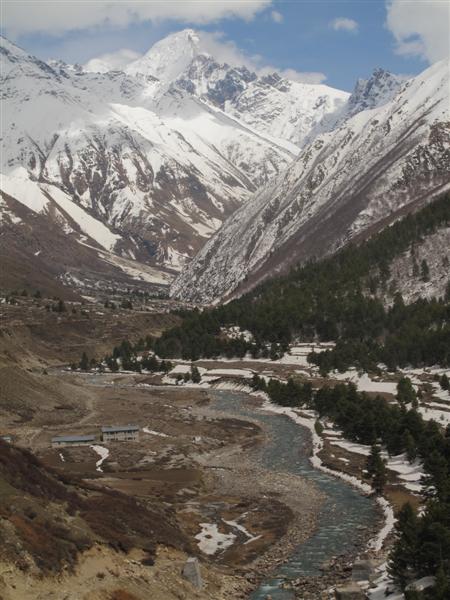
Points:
x=47, y=543
x=399, y=497
x=40, y=506
x=122, y=595
x=125, y=523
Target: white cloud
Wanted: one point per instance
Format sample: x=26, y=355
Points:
x=26, y=16
x=112, y=61
x=344, y=24
x=304, y=76
x=293, y=75
x=276, y=16
x=228, y=52
x=420, y=28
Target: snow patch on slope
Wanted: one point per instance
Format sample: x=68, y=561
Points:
x=92, y=227
x=18, y=185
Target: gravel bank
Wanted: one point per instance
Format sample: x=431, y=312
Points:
x=236, y=471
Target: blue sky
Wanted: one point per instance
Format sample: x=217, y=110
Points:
x=334, y=40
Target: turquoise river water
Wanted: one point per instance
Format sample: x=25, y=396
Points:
x=343, y=514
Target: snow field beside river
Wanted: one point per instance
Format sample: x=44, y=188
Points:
x=210, y=540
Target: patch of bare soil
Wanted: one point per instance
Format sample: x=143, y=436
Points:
x=103, y=574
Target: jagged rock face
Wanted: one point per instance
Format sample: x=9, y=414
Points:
x=379, y=162
x=367, y=94
x=215, y=82
x=284, y=110
x=160, y=155
x=379, y=89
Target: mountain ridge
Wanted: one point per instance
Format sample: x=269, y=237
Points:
x=158, y=166
x=379, y=160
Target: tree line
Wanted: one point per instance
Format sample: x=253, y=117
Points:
x=127, y=356
x=333, y=299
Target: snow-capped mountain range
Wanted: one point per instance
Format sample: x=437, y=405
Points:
x=384, y=153
x=129, y=173
x=145, y=165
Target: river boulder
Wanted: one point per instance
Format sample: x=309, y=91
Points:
x=364, y=570
x=350, y=591
x=191, y=572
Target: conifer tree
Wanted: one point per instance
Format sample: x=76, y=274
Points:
x=410, y=446
x=444, y=382
x=425, y=271
x=195, y=374
x=436, y=482
x=441, y=589
x=405, y=391
x=376, y=470
x=403, y=558
x=274, y=351
x=84, y=362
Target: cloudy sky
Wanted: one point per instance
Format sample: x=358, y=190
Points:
x=332, y=41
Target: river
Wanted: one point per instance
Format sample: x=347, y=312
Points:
x=344, y=513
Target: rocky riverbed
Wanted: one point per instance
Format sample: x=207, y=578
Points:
x=237, y=471
x=332, y=522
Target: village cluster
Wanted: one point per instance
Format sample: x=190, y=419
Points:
x=119, y=433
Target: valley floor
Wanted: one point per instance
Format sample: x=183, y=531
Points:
x=241, y=519
x=188, y=457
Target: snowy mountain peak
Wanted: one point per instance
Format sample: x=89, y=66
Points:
x=9, y=49
x=387, y=158
x=379, y=89
x=14, y=58
x=22, y=74
x=169, y=57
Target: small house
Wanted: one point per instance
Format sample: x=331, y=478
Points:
x=120, y=433
x=72, y=440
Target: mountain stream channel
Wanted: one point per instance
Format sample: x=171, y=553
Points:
x=343, y=514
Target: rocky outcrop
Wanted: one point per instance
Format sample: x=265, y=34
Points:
x=350, y=591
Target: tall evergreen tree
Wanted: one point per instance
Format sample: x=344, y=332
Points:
x=425, y=271
x=410, y=446
x=441, y=589
x=402, y=565
x=444, y=382
x=405, y=391
x=195, y=375
x=84, y=362
x=376, y=469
